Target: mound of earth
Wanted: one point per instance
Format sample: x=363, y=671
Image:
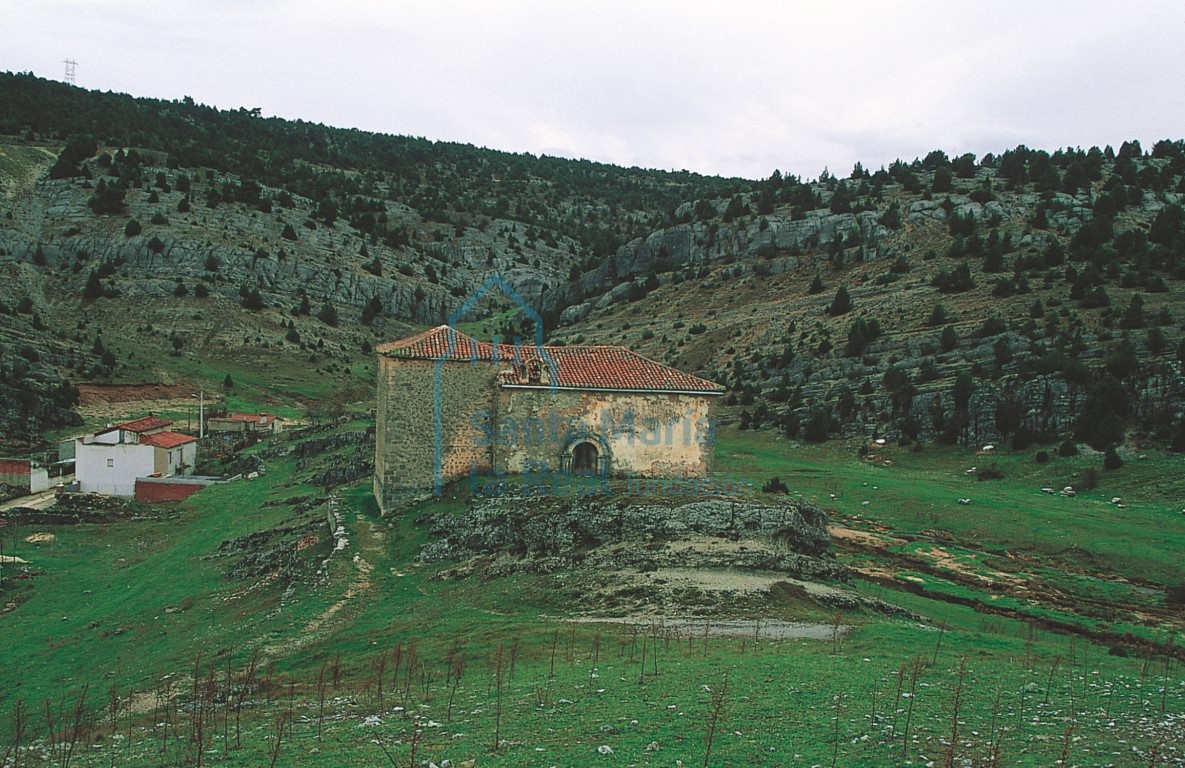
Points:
x=547, y=535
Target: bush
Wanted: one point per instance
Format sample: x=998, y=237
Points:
x=1042, y=457
x=328, y=314
x=818, y=426
x=1111, y=459
x=990, y=473
x=775, y=485
x=132, y=228
x=956, y=280
x=1175, y=594
x=1067, y=448
x=251, y=298
x=1023, y=438
x=1090, y=479
x=993, y=326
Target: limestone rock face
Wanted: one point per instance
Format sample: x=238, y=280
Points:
x=555, y=533
x=776, y=238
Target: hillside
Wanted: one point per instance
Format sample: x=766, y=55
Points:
x=284, y=621
x=158, y=241
x=173, y=230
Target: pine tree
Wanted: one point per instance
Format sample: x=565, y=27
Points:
x=841, y=304
x=94, y=286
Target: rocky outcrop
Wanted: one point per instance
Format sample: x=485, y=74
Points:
x=554, y=534
x=777, y=239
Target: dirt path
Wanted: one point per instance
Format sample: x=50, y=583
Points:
x=35, y=501
x=863, y=538
x=770, y=629
x=739, y=582
x=369, y=545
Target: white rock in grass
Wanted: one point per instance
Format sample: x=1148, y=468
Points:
x=605, y=749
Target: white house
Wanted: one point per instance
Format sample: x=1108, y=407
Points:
x=109, y=461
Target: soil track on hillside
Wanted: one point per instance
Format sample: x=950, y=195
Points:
x=96, y=394
x=113, y=402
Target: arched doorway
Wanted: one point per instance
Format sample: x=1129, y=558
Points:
x=585, y=459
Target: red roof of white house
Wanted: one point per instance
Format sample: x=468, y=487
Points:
x=167, y=439
x=143, y=424
x=593, y=367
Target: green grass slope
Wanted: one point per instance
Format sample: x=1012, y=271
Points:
x=363, y=656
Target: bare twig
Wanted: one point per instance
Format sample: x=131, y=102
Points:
x=718, y=698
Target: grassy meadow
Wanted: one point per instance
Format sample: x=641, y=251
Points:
x=1033, y=631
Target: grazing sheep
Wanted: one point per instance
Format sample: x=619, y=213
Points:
x=1047, y=490
x=965, y=502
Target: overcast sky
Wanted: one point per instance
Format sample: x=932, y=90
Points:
x=731, y=88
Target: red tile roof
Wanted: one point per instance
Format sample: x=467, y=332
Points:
x=143, y=424
x=167, y=439
x=594, y=367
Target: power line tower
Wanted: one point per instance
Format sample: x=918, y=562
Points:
x=70, y=65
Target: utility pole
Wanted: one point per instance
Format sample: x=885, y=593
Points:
x=201, y=395
x=70, y=66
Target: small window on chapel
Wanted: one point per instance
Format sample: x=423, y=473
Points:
x=534, y=371
x=111, y=462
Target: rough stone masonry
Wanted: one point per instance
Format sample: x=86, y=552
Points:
x=449, y=406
